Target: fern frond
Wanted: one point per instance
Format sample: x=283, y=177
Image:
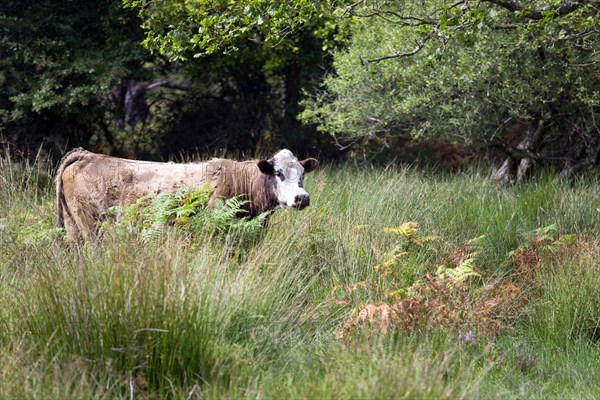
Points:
x=187, y=209
x=460, y=273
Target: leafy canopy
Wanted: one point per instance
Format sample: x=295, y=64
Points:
x=463, y=70
x=59, y=56
x=198, y=28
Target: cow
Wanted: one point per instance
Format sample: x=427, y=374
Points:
x=87, y=184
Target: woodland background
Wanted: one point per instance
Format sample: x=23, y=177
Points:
x=442, y=82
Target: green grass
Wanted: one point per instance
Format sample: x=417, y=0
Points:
x=224, y=316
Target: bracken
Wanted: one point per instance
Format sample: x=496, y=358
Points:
x=438, y=303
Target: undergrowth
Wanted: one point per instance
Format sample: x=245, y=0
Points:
x=392, y=284
x=188, y=211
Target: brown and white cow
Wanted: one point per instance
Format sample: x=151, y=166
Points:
x=87, y=184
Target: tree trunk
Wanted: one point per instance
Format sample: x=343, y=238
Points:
x=524, y=168
x=502, y=176
x=520, y=159
x=129, y=100
x=579, y=166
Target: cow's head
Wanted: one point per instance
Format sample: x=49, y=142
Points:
x=287, y=173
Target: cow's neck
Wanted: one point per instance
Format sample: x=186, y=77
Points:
x=248, y=183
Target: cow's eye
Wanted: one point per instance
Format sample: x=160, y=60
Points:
x=280, y=175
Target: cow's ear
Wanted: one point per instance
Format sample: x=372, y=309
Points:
x=266, y=167
x=309, y=164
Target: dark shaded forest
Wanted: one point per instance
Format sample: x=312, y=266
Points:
x=74, y=74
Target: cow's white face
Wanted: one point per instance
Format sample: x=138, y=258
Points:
x=288, y=173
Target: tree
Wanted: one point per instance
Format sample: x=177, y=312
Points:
x=73, y=73
x=472, y=72
x=197, y=28
x=259, y=54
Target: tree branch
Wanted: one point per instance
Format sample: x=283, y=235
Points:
x=565, y=8
x=515, y=152
x=419, y=47
x=168, y=83
x=576, y=167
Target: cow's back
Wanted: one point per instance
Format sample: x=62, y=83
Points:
x=87, y=184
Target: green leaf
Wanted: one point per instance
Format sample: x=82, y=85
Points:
x=568, y=239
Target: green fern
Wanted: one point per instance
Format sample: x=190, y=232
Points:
x=546, y=239
x=225, y=217
x=191, y=202
x=460, y=273
x=187, y=210
x=544, y=234
x=158, y=214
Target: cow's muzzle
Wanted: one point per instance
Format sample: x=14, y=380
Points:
x=301, y=201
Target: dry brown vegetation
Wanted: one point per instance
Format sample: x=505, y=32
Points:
x=458, y=296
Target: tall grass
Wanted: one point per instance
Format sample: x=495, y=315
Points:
x=218, y=316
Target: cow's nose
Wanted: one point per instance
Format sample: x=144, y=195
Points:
x=302, y=200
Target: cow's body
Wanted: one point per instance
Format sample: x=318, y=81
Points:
x=87, y=184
